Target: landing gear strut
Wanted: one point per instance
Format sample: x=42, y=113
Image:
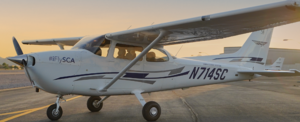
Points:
x=54, y=112
x=151, y=110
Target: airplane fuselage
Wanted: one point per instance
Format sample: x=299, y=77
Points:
x=84, y=73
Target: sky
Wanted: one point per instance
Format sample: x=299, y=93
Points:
x=42, y=19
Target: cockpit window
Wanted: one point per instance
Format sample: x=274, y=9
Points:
x=155, y=55
x=97, y=45
x=128, y=52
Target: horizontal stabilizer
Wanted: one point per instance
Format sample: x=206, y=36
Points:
x=270, y=73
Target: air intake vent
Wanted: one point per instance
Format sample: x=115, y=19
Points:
x=31, y=61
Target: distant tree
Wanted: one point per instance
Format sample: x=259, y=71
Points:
x=5, y=66
x=16, y=67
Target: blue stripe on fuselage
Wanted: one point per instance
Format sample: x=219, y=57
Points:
x=128, y=75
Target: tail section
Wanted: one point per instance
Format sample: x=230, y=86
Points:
x=277, y=65
x=253, y=54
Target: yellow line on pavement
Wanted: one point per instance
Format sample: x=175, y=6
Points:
x=73, y=98
x=13, y=112
x=28, y=111
x=22, y=114
x=15, y=88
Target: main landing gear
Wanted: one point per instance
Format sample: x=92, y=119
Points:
x=92, y=104
x=95, y=103
x=151, y=110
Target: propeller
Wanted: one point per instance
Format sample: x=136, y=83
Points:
x=20, y=59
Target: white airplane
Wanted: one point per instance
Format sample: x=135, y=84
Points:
x=277, y=65
x=134, y=61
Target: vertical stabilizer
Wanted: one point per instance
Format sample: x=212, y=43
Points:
x=277, y=65
x=253, y=54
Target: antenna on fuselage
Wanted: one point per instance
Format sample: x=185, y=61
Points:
x=152, y=23
x=128, y=27
x=178, y=50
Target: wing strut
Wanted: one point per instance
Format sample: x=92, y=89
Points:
x=60, y=45
x=136, y=59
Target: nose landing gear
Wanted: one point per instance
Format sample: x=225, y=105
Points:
x=54, y=112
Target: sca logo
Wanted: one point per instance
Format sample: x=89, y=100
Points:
x=62, y=60
x=67, y=59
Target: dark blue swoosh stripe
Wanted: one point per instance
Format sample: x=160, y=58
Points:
x=135, y=75
x=185, y=73
x=72, y=76
x=252, y=58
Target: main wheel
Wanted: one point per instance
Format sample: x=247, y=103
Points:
x=151, y=111
x=92, y=104
x=52, y=114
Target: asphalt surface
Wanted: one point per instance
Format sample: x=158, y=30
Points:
x=13, y=79
x=261, y=100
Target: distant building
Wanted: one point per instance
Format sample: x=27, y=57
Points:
x=292, y=56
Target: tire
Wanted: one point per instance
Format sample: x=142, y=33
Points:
x=51, y=112
x=151, y=111
x=91, y=104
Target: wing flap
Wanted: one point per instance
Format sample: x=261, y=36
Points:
x=271, y=73
x=215, y=26
x=64, y=41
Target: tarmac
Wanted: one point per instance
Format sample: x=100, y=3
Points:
x=261, y=100
x=13, y=79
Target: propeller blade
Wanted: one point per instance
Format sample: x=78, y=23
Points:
x=17, y=47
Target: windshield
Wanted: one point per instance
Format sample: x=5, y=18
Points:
x=91, y=43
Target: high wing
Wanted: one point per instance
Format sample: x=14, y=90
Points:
x=271, y=73
x=215, y=26
x=55, y=41
x=208, y=27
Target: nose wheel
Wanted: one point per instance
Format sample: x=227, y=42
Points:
x=53, y=114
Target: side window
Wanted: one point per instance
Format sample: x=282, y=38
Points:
x=155, y=55
x=103, y=48
x=128, y=52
